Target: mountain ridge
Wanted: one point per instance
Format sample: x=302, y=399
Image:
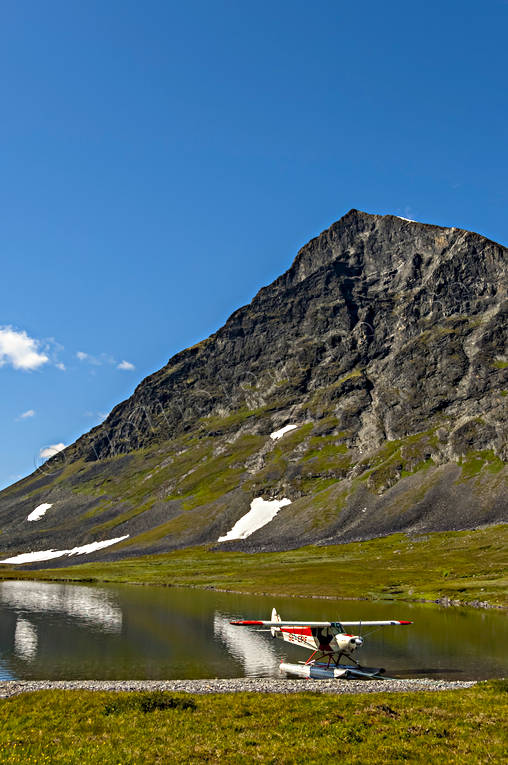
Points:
x=384, y=342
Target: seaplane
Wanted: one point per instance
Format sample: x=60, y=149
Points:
x=329, y=642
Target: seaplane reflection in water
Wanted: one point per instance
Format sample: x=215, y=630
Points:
x=25, y=639
x=329, y=642
x=252, y=651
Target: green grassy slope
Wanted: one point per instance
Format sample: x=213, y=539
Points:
x=102, y=728
x=466, y=566
x=194, y=487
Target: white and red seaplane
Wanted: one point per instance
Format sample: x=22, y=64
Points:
x=328, y=641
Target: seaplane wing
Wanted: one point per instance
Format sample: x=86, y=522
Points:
x=392, y=622
x=260, y=623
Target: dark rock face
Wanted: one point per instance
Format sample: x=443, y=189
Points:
x=418, y=312
x=388, y=339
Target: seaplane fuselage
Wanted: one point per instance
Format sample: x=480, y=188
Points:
x=332, y=639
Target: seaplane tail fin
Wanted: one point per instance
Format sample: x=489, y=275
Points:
x=275, y=618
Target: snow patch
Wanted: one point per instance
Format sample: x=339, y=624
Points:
x=32, y=557
x=39, y=511
x=409, y=220
x=261, y=512
x=279, y=433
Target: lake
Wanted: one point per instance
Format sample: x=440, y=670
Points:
x=70, y=631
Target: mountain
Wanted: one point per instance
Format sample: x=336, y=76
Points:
x=384, y=344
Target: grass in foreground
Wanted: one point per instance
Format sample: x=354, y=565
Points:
x=465, y=566
x=82, y=726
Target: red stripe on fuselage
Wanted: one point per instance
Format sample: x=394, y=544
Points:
x=297, y=630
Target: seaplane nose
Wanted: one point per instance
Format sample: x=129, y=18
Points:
x=358, y=641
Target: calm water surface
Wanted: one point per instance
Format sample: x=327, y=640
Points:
x=66, y=631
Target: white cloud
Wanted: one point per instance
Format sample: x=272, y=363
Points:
x=99, y=416
x=53, y=348
x=20, y=350
x=96, y=361
x=27, y=414
x=126, y=365
x=50, y=451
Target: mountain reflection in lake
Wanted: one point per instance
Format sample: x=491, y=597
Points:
x=91, y=604
x=56, y=631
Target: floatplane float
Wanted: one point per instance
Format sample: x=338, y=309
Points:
x=329, y=643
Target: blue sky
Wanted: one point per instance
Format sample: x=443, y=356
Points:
x=161, y=161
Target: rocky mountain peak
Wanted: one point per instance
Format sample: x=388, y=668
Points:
x=352, y=301
x=384, y=344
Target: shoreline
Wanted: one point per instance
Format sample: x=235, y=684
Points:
x=9, y=688
x=461, y=569
x=445, y=602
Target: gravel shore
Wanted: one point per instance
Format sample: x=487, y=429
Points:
x=235, y=685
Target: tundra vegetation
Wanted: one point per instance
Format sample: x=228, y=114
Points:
x=461, y=566
x=108, y=728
